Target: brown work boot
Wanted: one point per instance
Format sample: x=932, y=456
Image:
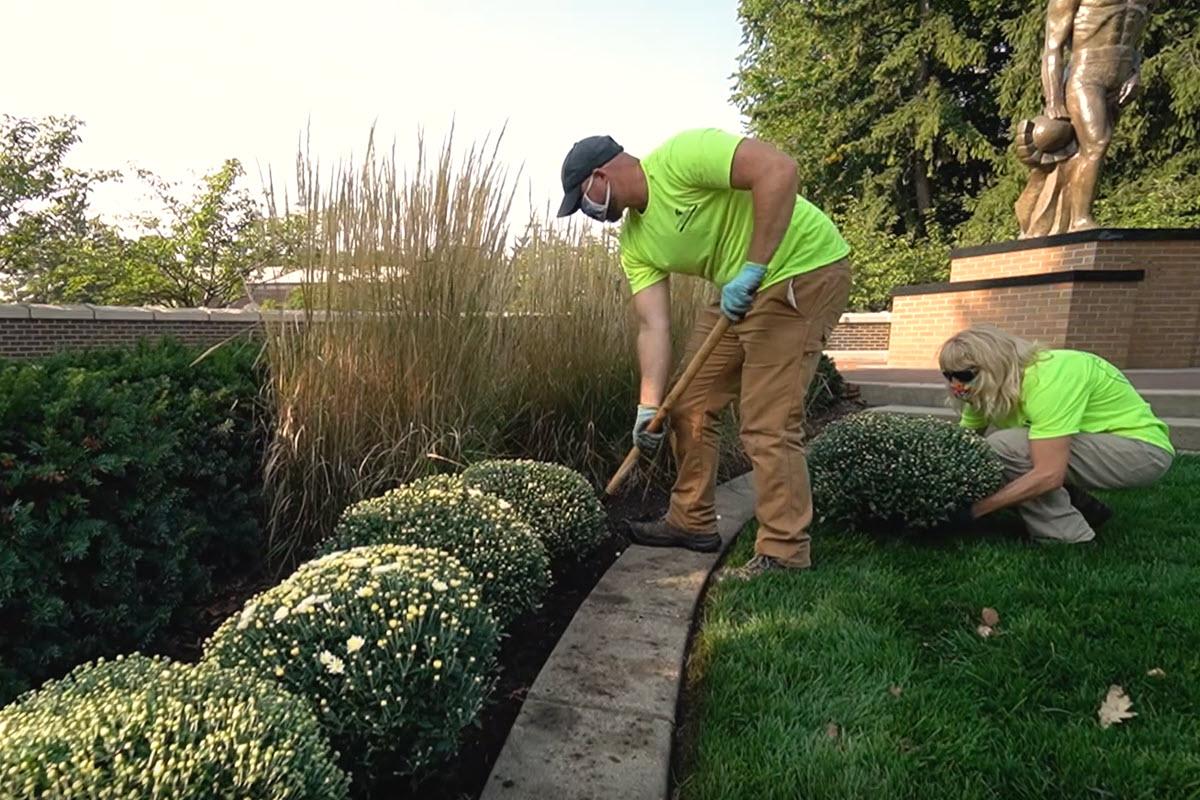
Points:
x=660, y=533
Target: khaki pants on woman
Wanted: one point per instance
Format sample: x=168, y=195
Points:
x=1098, y=461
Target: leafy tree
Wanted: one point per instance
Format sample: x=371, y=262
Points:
x=200, y=252
x=49, y=247
x=884, y=260
x=209, y=244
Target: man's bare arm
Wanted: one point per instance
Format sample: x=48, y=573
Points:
x=770, y=176
x=1060, y=21
x=653, y=308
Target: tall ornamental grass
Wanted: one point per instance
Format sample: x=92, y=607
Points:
x=433, y=336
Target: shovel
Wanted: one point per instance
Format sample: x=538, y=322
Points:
x=664, y=409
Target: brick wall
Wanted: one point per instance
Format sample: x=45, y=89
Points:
x=32, y=330
x=1025, y=262
x=1093, y=316
x=861, y=332
x=1103, y=320
x=36, y=330
x=1154, y=323
x=923, y=322
x=1167, y=316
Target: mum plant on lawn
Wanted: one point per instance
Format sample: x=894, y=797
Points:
x=391, y=644
x=151, y=728
x=557, y=502
x=481, y=530
x=884, y=472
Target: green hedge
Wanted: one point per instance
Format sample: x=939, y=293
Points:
x=128, y=479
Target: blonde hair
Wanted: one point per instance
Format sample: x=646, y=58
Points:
x=1000, y=360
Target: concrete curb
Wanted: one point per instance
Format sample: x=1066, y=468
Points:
x=598, y=722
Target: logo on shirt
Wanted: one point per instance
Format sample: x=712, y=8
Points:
x=683, y=216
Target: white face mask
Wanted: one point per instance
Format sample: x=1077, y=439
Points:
x=593, y=209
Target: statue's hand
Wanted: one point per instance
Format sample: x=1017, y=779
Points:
x=1130, y=89
x=1056, y=111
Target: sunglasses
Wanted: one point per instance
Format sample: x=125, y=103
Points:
x=962, y=375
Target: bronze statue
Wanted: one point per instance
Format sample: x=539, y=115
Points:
x=1065, y=146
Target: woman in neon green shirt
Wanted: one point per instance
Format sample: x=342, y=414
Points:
x=1065, y=421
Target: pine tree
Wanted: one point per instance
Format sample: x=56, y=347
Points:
x=913, y=104
x=869, y=95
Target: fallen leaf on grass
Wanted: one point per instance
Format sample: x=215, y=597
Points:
x=990, y=617
x=984, y=630
x=1115, y=708
x=832, y=730
x=896, y=691
x=1156, y=673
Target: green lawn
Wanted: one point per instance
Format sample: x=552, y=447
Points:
x=880, y=640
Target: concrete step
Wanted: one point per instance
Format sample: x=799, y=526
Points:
x=1185, y=431
x=1176, y=403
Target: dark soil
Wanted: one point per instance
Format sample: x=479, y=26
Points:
x=185, y=640
x=816, y=423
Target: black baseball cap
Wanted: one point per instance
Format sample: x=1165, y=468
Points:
x=587, y=155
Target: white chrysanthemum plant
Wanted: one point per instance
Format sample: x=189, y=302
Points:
x=392, y=645
x=482, y=531
x=895, y=474
x=557, y=502
x=154, y=729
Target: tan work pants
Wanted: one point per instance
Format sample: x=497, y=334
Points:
x=771, y=355
x=1097, y=461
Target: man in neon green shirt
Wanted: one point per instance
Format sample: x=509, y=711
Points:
x=1066, y=421
x=725, y=209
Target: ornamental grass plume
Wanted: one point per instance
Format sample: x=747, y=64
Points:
x=431, y=330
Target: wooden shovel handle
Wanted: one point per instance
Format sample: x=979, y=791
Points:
x=710, y=344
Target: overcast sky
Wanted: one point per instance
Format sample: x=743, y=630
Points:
x=177, y=87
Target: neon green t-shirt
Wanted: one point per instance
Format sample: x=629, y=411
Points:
x=1066, y=392
x=696, y=223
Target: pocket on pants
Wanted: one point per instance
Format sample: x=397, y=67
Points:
x=820, y=297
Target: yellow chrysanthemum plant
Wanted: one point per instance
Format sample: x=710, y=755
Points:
x=392, y=645
x=482, y=531
x=150, y=728
x=558, y=503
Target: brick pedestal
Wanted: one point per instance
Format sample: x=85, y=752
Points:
x=1131, y=296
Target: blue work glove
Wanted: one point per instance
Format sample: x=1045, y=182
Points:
x=738, y=294
x=645, y=440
